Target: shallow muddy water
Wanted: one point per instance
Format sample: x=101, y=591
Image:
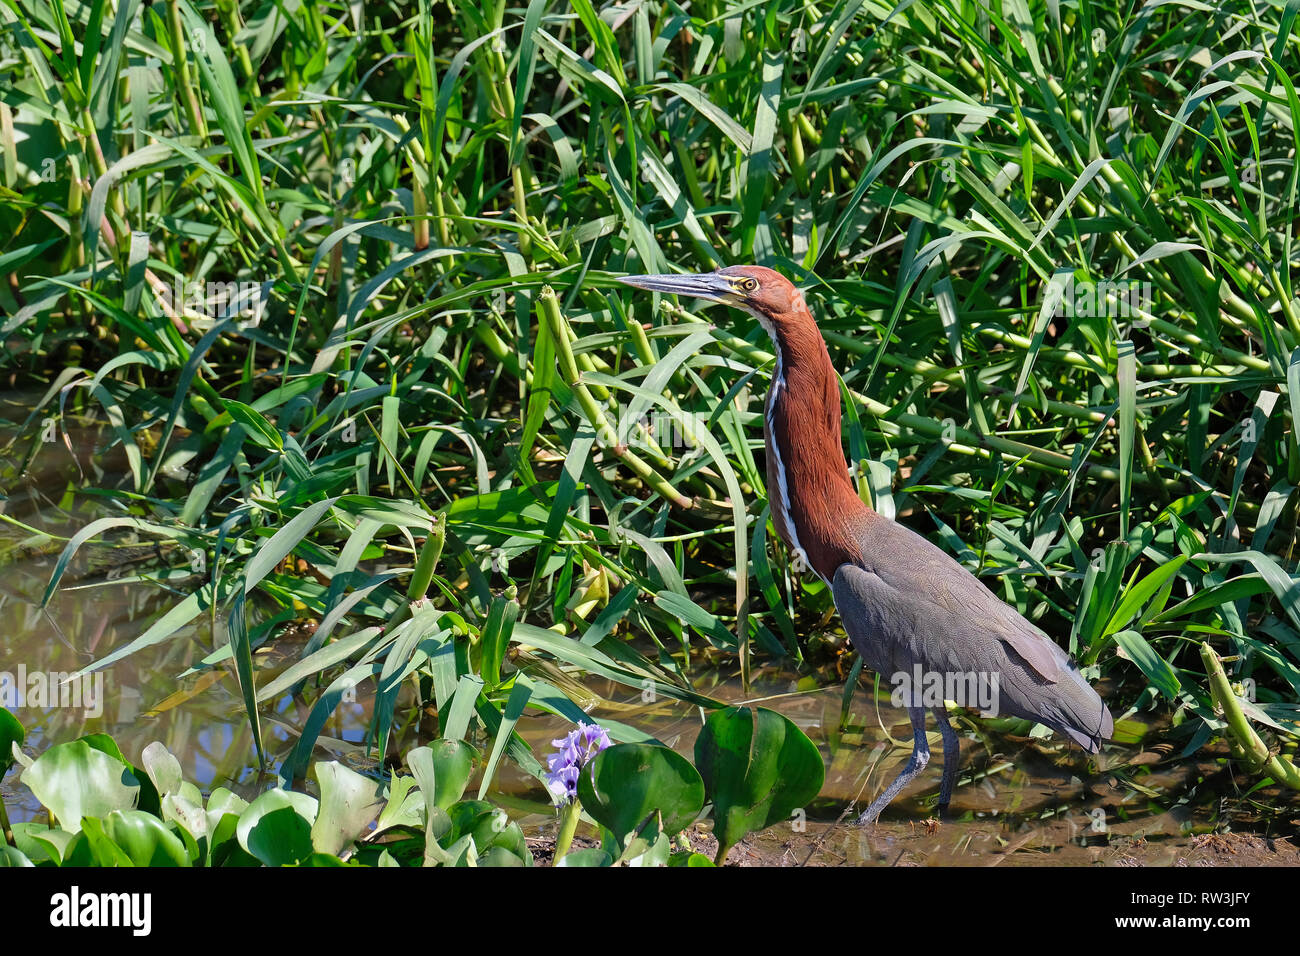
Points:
x=1019, y=801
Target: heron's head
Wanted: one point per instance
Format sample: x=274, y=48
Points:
x=765, y=293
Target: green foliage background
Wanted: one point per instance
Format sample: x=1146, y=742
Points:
x=434, y=199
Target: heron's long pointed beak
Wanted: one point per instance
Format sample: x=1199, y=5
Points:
x=709, y=285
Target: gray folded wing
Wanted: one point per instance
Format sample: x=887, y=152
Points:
x=910, y=603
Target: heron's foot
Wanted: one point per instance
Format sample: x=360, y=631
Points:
x=942, y=813
x=867, y=818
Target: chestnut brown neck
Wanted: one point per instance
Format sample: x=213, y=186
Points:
x=815, y=507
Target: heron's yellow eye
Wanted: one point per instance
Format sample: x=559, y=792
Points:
x=749, y=285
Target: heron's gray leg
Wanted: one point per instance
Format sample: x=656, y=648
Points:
x=920, y=757
x=951, y=756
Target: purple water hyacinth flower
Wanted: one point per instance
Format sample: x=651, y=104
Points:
x=572, y=753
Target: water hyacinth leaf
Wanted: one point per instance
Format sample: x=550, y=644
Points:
x=12, y=734
x=141, y=838
x=40, y=842
x=105, y=744
x=461, y=852
x=276, y=827
x=349, y=803
x=92, y=847
x=11, y=856
x=402, y=804
x=487, y=828
x=223, y=811
x=588, y=856
x=626, y=783
x=443, y=770
x=187, y=813
x=649, y=847
x=420, y=763
x=758, y=768
x=501, y=856
x=75, y=780
x=222, y=804
x=162, y=767
x=194, y=852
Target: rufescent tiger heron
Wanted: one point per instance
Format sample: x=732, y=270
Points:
x=910, y=610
